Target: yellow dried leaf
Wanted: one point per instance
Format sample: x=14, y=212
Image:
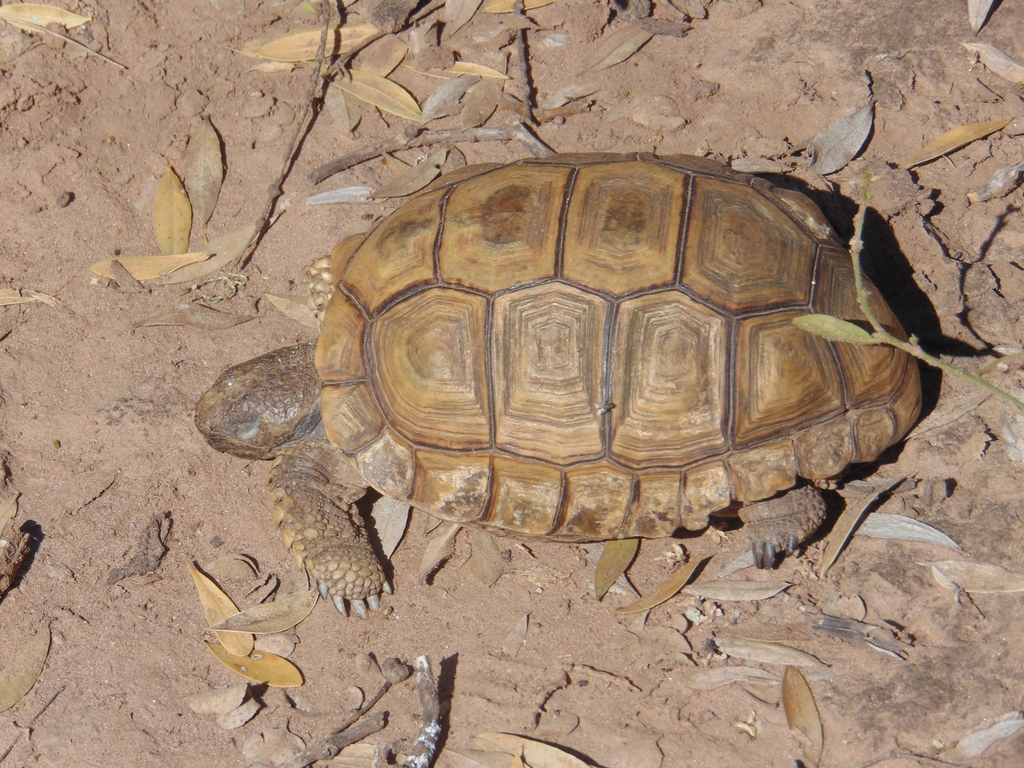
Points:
x=12, y=296
x=615, y=559
x=997, y=61
x=301, y=44
x=666, y=590
x=267, y=618
x=955, y=139
x=19, y=675
x=172, y=214
x=413, y=179
x=720, y=589
x=386, y=95
x=624, y=43
x=272, y=67
x=149, y=267
x=437, y=547
x=261, y=667
x=383, y=56
x=42, y=15
x=505, y=6
x=217, y=606
x=468, y=68
x=223, y=251
x=296, y=310
x=802, y=714
x=534, y=753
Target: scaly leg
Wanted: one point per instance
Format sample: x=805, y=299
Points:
x=778, y=525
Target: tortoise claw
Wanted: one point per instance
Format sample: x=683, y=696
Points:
x=360, y=608
x=374, y=602
x=764, y=554
x=324, y=593
x=387, y=588
x=339, y=603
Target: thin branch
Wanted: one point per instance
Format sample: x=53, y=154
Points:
x=422, y=753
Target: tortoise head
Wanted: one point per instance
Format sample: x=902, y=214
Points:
x=256, y=408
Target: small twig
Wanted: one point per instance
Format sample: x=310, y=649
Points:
x=276, y=189
x=65, y=38
x=523, y=66
x=515, y=132
x=910, y=347
x=421, y=755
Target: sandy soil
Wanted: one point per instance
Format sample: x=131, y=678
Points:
x=96, y=411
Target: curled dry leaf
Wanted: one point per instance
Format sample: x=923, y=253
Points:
x=973, y=745
x=737, y=590
x=354, y=194
x=514, y=640
x=486, y=562
x=955, y=139
x=41, y=15
x=390, y=519
x=172, y=214
x=194, y=316
x=223, y=251
x=445, y=99
x=204, y=171
x=767, y=652
x=218, y=701
x=905, y=529
x=298, y=311
x=413, y=179
x=615, y=559
x=843, y=529
x=386, y=95
x=217, y=606
x=239, y=716
x=666, y=590
x=301, y=44
x=20, y=673
x=456, y=13
x=978, y=578
x=149, y=267
x=802, y=714
x=480, y=102
x=260, y=667
x=977, y=13
x=268, y=618
x=437, y=548
x=534, y=753
x=622, y=44
x=838, y=144
x=997, y=62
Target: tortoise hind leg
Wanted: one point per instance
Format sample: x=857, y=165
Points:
x=315, y=493
x=778, y=525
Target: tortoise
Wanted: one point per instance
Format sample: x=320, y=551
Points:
x=578, y=348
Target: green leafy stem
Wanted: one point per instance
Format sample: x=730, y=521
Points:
x=837, y=329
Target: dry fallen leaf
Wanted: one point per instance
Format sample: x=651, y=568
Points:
x=413, y=179
x=709, y=679
x=1002, y=183
x=301, y=44
x=460, y=68
x=445, y=99
x=383, y=56
x=239, y=716
x=977, y=13
x=973, y=745
x=905, y=529
x=838, y=144
x=998, y=62
x=437, y=547
x=41, y=15
x=473, y=758
x=172, y=215
x=719, y=589
x=149, y=267
x=223, y=251
x=536, y=754
x=615, y=559
x=767, y=652
x=979, y=578
x=665, y=591
x=19, y=674
x=194, y=316
x=345, y=111
x=354, y=194
x=506, y=6
x=955, y=139
x=260, y=667
x=802, y=714
x=390, y=519
x=298, y=311
x=514, y=640
x=267, y=618
x=623, y=44
x=486, y=562
x=480, y=102
x=217, y=606
x=204, y=171
x=456, y=13
x=843, y=529
x=386, y=95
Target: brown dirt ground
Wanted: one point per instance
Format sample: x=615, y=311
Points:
x=96, y=413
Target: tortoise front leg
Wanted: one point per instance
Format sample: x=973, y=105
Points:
x=315, y=493
x=777, y=526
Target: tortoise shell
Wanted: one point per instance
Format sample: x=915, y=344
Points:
x=600, y=346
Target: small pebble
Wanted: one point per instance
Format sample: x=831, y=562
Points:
x=64, y=199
